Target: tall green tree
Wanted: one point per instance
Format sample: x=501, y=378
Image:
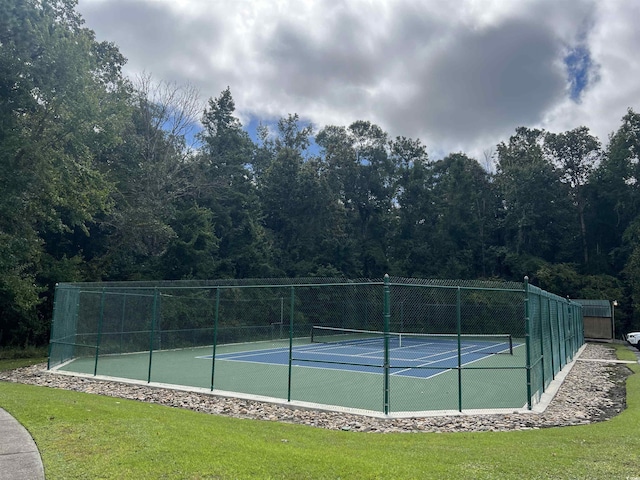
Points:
x=61, y=102
x=301, y=212
x=615, y=200
x=464, y=206
x=536, y=217
x=412, y=248
x=614, y=195
x=363, y=176
x=151, y=170
x=576, y=153
x=226, y=188
x=447, y=210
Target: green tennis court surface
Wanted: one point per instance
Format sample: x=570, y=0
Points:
x=344, y=374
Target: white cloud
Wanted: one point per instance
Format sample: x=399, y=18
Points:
x=458, y=75
x=613, y=41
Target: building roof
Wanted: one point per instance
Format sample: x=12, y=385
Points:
x=595, y=308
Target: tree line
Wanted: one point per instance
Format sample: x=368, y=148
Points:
x=107, y=178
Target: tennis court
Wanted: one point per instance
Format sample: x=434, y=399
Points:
x=399, y=347
x=347, y=373
x=411, y=355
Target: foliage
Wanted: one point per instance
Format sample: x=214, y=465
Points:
x=60, y=103
x=536, y=210
x=105, y=178
x=576, y=153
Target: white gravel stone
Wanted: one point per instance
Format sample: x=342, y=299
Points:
x=593, y=391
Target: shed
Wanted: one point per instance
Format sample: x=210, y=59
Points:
x=598, y=319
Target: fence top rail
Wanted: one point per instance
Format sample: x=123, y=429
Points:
x=552, y=296
x=455, y=287
x=230, y=283
x=99, y=288
x=292, y=282
x=463, y=284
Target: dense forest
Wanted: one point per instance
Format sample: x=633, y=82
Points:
x=102, y=178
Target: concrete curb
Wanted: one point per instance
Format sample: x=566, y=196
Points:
x=19, y=455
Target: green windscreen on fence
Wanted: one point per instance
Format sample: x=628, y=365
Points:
x=393, y=345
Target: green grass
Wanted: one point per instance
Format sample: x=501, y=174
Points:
x=89, y=436
x=16, y=358
x=22, y=352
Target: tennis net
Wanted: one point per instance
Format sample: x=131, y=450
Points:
x=484, y=343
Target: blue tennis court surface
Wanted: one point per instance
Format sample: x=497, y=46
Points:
x=423, y=360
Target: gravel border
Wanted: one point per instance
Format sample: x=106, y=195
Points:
x=593, y=391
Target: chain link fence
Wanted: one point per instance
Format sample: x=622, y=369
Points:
x=392, y=346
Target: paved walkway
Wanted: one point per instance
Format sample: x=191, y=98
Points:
x=19, y=456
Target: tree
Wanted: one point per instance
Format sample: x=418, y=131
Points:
x=61, y=103
x=614, y=195
x=292, y=135
x=151, y=170
x=226, y=188
x=631, y=271
x=446, y=210
x=535, y=217
x=301, y=212
x=193, y=253
x=360, y=172
x=464, y=207
x=412, y=251
x=576, y=152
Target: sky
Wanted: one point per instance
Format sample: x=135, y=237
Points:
x=460, y=75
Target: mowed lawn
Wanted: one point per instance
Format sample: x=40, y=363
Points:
x=90, y=436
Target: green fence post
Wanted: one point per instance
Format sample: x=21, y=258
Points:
x=95, y=367
x=76, y=313
x=215, y=334
x=459, y=332
x=562, y=335
x=527, y=339
x=387, y=320
x=569, y=334
x=553, y=363
x=53, y=326
x=153, y=324
x=122, y=317
x=581, y=324
x=291, y=315
x=541, y=321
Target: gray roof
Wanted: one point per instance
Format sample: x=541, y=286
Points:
x=595, y=308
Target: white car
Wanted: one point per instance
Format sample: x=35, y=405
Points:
x=634, y=339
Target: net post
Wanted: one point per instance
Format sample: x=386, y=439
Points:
x=95, y=366
x=387, y=321
x=216, y=315
x=291, y=315
x=527, y=339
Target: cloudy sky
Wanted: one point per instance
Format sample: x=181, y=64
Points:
x=460, y=75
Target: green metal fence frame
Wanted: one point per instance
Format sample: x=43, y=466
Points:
x=545, y=358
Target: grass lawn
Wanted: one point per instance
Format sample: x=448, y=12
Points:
x=89, y=436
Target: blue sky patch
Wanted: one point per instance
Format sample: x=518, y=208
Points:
x=579, y=70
